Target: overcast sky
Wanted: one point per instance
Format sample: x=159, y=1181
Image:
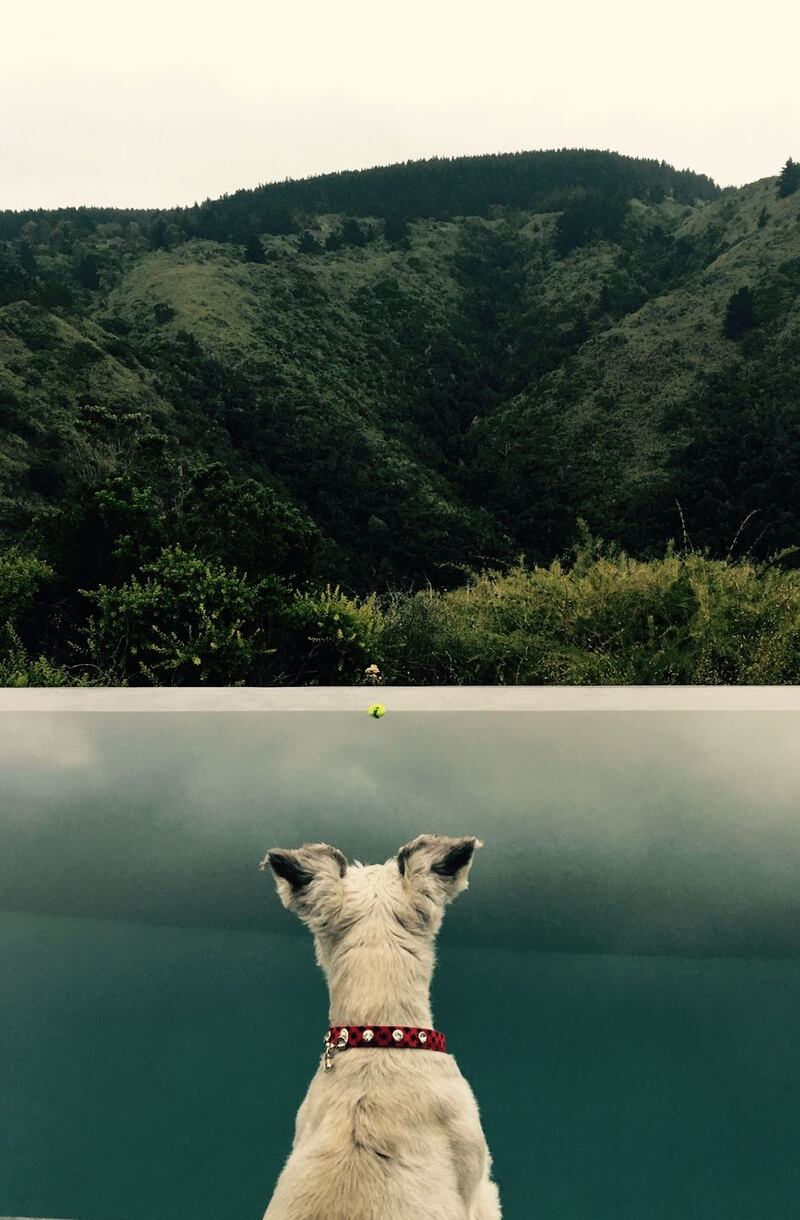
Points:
x=158, y=104
x=604, y=831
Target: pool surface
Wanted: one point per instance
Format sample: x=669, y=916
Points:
x=632, y=930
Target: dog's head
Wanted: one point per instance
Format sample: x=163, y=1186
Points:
x=406, y=895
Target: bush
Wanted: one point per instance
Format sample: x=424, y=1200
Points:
x=186, y=621
x=22, y=577
x=337, y=635
x=609, y=619
x=17, y=668
x=603, y=618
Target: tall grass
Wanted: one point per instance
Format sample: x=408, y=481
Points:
x=603, y=618
x=607, y=619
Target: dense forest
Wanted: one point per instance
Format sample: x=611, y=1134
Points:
x=279, y=435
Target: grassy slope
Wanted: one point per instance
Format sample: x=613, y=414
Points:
x=613, y=397
x=41, y=403
x=307, y=332
x=337, y=350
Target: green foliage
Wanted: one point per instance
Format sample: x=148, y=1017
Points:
x=163, y=313
x=608, y=619
x=353, y=234
x=593, y=217
x=22, y=580
x=602, y=618
x=738, y=478
x=419, y=401
x=245, y=524
x=254, y=250
x=396, y=230
x=185, y=620
x=276, y=219
x=439, y=188
x=86, y=269
x=444, y=187
x=338, y=635
x=740, y=314
x=308, y=243
x=18, y=668
x=15, y=281
x=789, y=179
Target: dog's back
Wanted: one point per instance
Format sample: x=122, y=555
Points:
x=392, y=1136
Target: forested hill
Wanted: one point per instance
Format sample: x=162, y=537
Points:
x=437, y=189
x=383, y=377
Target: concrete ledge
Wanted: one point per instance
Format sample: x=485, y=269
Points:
x=406, y=699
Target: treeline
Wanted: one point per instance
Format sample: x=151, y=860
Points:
x=441, y=188
x=601, y=618
x=438, y=188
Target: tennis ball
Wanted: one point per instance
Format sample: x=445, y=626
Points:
x=377, y=710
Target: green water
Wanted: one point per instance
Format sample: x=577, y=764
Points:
x=153, y=1073
x=620, y=984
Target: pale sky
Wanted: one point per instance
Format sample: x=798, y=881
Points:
x=161, y=103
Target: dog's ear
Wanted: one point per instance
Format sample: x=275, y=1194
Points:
x=305, y=875
x=438, y=864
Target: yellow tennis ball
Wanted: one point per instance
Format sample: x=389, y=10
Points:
x=377, y=710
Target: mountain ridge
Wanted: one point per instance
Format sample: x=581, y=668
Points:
x=386, y=401
x=313, y=190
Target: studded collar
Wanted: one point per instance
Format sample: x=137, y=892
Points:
x=382, y=1037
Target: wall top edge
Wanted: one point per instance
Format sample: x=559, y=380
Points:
x=405, y=699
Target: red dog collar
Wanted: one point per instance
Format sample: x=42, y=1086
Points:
x=387, y=1037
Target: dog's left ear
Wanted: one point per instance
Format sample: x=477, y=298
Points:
x=438, y=863
x=306, y=875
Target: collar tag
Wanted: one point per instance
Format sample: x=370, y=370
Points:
x=332, y=1047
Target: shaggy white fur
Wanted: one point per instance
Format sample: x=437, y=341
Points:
x=386, y=1134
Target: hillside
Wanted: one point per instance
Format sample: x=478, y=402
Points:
x=379, y=379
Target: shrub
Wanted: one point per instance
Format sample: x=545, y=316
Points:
x=22, y=576
x=185, y=621
x=336, y=636
x=601, y=618
x=17, y=668
x=610, y=620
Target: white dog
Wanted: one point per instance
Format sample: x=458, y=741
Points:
x=389, y=1128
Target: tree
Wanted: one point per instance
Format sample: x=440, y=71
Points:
x=353, y=234
x=26, y=256
x=14, y=282
x=277, y=221
x=789, y=179
x=396, y=230
x=163, y=313
x=157, y=234
x=184, y=620
x=308, y=243
x=162, y=235
x=86, y=270
x=594, y=217
x=740, y=315
x=254, y=251
x=243, y=523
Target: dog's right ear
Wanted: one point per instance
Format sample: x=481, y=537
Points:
x=304, y=875
x=437, y=864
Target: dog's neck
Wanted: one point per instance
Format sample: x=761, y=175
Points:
x=380, y=984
